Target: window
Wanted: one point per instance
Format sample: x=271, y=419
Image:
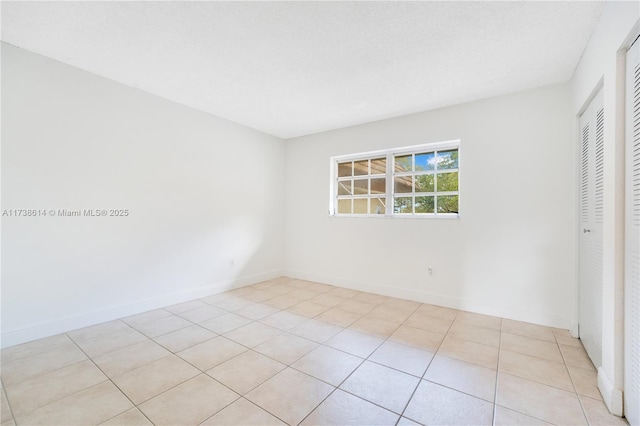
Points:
x=418, y=181
x=362, y=186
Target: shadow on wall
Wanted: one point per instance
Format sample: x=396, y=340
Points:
x=490, y=261
x=102, y=279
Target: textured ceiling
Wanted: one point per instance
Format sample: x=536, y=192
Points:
x=296, y=68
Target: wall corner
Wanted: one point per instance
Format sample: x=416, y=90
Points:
x=612, y=397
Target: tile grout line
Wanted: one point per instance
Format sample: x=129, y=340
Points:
x=89, y=358
x=250, y=402
x=207, y=375
x=546, y=384
x=343, y=380
x=112, y=382
x=495, y=389
x=535, y=356
x=564, y=363
x=178, y=384
x=286, y=366
x=290, y=365
x=359, y=365
x=113, y=350
x=249, y=349
x=584, y=412
x=495, y=405
x=49, y=372
x=4, y=389
x=435, y=353
x=137, y=406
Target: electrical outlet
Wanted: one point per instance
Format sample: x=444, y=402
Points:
x=430, y=271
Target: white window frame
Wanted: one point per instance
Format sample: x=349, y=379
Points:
x=389, y=175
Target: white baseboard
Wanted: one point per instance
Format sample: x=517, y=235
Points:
x=446, y=301
x=612, y=397
x=15, y=337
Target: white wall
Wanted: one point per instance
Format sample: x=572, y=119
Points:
x=201, y=192
x=512, y=252
x=603, y=64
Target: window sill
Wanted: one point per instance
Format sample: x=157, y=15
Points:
x=395, y=217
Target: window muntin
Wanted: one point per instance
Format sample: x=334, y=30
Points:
x=419, y=181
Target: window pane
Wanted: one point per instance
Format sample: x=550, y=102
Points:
x=403, y=205
x=361, y=186
x=448, y=181
x=379, y=166
x=344, y=169
x=402, y=184
x=344, y=187
x=403, y=164
x=448, y=159
x=360, y=205
x=448, y=204
x=424, y=183
x=378, y=205
x=425, y=161
x=344, y=206
x=378, y=186
x=361, y=168
x=424, y=204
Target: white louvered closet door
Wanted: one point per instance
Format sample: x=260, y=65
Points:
x=632, y=240
x=591, y=215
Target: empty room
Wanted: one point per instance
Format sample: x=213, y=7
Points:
x=320, y=213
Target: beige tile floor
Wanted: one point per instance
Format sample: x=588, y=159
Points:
x=297, y=352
